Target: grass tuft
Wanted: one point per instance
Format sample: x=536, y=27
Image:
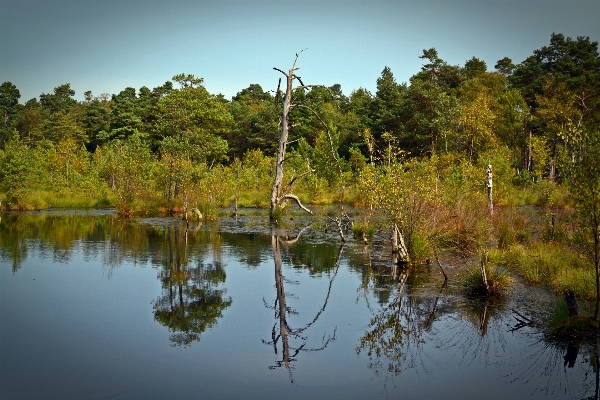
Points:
x=498, y=279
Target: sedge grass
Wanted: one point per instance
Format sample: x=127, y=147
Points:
x=553, y=264
x=498, y=279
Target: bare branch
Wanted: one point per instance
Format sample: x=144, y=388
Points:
x=299, y=79
x=337, y=267
x=294, y=240
x=277, y=69
x=440, y=264
x=278, y=93
x=311, y=86
x=294, y=179
x=338, y=222
x=296, y=59
x=297, y=200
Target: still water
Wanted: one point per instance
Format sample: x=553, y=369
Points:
x=93, y=307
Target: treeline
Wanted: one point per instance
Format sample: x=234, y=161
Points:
x=178, y=144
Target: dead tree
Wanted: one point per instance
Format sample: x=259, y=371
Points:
x=399, y=250
x=489, y=189
x=279, y=195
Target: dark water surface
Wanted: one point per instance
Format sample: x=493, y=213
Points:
x=93, y=307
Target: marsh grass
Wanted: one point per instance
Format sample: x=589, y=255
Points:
x=558, y=317
x=462, y=225
x=559, y=325
x=42, y=199
x=361, y=228
x=498, y=279
x=541, y=194
x=512, y=227
x=554, y=264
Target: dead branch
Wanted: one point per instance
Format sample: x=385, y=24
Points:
x=294, y=240
x=277, y=69
x=278, y=93
x=297, y=200
x=299, y=80
x=522, y=316
x=440, y=264
x=294, y=179
x=338, y=222
x=337, y=267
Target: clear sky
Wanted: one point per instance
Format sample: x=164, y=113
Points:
x=107, y=45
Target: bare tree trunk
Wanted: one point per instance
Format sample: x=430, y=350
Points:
x=489, y=186
x=398, y=247
x=552, y=167
x=484, y=280
x=283, y=139
x=279, y=196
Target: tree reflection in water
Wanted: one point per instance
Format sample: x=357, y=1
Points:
x=478, y=331
x=190, y=302
x=292, y=341
x=395, y=336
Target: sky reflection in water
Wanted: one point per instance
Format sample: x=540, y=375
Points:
x=94, y=307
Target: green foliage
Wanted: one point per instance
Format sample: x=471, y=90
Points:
x=131, y=173
x=193, y=115
x=61, y=100
x=535, y=123
x=554, y=264
x=18, y=170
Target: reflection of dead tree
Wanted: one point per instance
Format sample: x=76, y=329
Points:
x=282, y=330
x=431, y=317
x=522, y=321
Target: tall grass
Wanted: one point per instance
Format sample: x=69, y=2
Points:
x=498, y=280
x=554, y=264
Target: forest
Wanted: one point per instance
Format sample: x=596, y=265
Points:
x=414, y=152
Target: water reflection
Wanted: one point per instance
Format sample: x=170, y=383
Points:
x=190, y=302
x=288, y=342
x=396, y=333
x=402, y=324
x=557, y=368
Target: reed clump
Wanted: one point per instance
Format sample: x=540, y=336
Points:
x=486, y=279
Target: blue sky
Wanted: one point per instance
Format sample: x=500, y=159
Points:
x=106, y=46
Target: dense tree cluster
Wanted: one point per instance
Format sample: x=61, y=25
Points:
x=542, y=113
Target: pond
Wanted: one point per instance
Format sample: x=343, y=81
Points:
x=94, y=307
